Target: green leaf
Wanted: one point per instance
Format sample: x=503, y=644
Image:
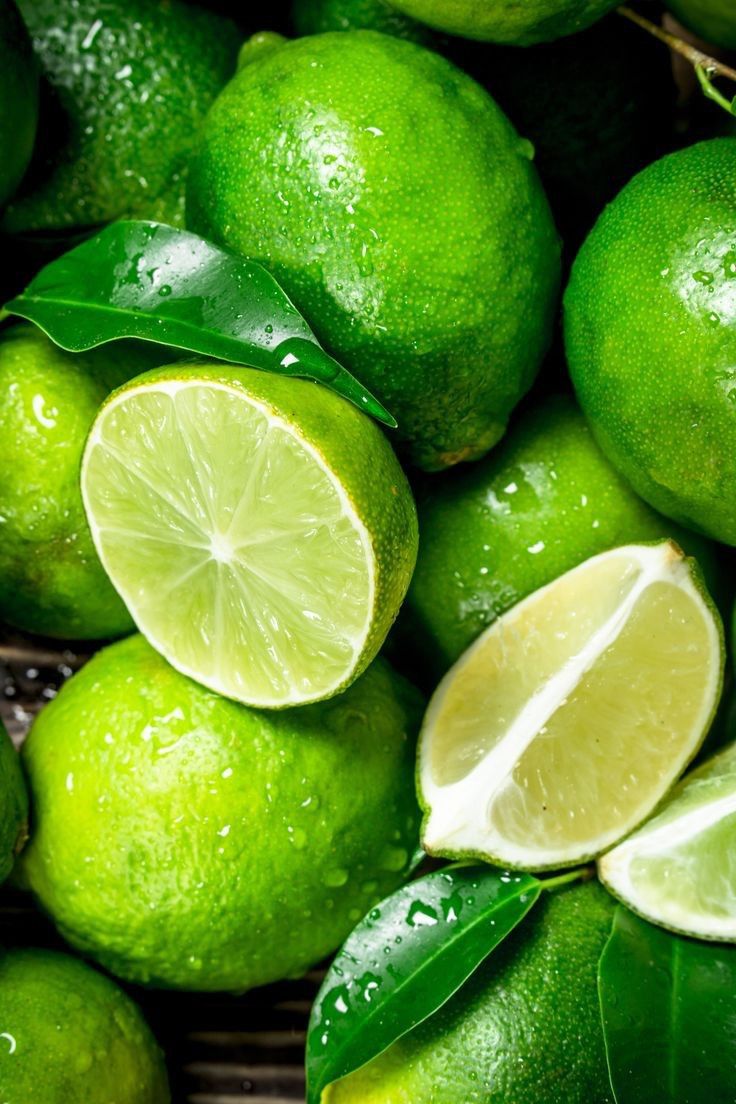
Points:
x=153, y=282
x=669, y=1015
x=405, y=959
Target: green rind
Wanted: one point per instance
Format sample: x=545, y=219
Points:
x=355, y=450
x=524, y=1029
x=485, y=545
x=71, y=1035
x=650, y=331
x=18, y=99
x=507, y=21
x=714, y=20
x=13, y=805
x=228, y=847
x=317, y=16
x=51, y=581
x=118, y=145
x=443, y=310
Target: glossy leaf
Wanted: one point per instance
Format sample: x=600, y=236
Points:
x=669, y=1015
x=149, y=281
x=405, y=959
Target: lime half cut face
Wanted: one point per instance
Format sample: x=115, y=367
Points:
x=235, y=545
x=679, y=869
x=567, y=721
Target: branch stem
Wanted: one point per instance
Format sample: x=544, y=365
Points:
x=691, y=53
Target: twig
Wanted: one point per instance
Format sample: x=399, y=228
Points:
x=686, y=49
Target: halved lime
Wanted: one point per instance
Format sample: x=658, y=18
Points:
x=568, y=720
x=260, y=530
x=679, y=869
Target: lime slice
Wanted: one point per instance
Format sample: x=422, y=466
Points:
x=260, y=530
x=567, y=721
x=679, y=869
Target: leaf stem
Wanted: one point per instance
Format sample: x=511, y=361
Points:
x=705, y=65
x=581, y=874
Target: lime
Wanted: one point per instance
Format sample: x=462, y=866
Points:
x=51, y=581
x=259, y=529
x=13, y=805
x=539, y=505
x=679, y=868
x=184, y=840
x=317, y=16
x=651, y=335
x=525, y=1029
x=519, y=24
x=319, y=159
x=18, y=99
x=714, y=20
x=69, y=1034
x=568, y=720
x=128, y=86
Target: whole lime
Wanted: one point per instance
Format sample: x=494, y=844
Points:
x=317, y=16
x=186, y=841
x=69, y=1034
x=51, y=581
x=713, y=20
x=126, y=86
x=525, y=1028
x=650, y=329
x=13, y=805
x=436, y=289
x=18, y=99
x=509, y=21
x=542, y=503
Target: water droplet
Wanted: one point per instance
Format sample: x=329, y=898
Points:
x=335, y=878
x=421, y=915
x=164, y=290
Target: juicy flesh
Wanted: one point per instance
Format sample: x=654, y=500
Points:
x=561, y=728
x=231, y=543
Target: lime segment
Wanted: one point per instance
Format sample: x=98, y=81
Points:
x=561, y=728
x=679, y=869
x=235, y=545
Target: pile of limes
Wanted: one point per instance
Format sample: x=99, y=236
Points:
x=323, y=649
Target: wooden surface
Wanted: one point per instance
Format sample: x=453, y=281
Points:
x=220, y=1049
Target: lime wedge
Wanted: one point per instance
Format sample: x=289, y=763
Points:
x=568, y=720
x=260, y=530
x=679, y=869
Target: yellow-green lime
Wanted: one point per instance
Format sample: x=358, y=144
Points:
x=18, y=99
x=186, y=841
x=68, y=1035
x=570, y=718
x=128, y=85
x=545, y=500
x=679, y=869
x=714, y=20
x=510, y=21
x=259, y=528
x=650, y=328
x=525, y=1029
x=436, y=289
x=51, y=581
x=13, y=805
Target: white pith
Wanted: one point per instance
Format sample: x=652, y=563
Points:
x=458, y=819
x=216, y=548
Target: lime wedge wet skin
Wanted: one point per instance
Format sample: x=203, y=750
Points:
x=152, y=281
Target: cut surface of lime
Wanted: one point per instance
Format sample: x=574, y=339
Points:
x=679, y=869
x=236, y=545
x=567, y=721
